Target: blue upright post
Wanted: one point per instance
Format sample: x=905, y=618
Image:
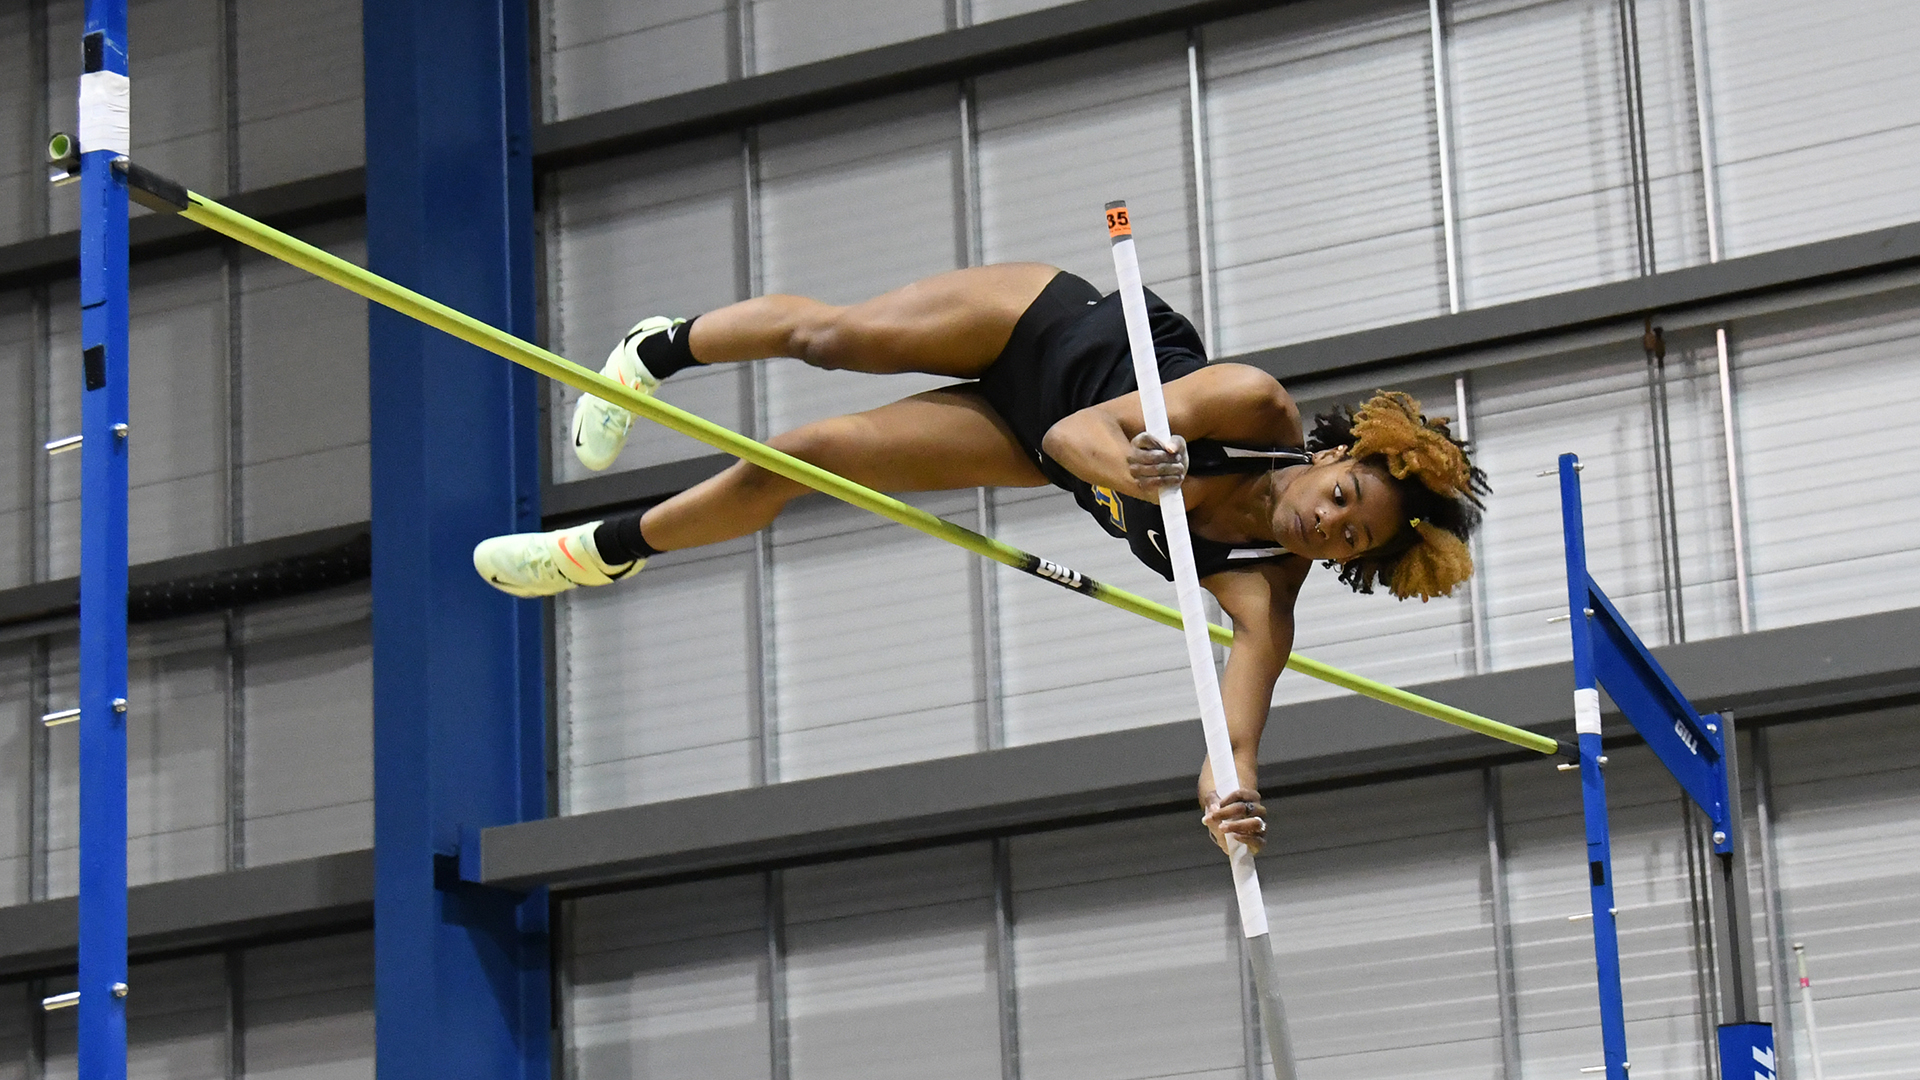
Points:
x=103, y=545
x=1593, y=787
x=461, y=974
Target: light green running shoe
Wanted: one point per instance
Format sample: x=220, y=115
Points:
x=600, y=427
x=545, y=563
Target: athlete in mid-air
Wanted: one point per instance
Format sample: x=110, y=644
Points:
x=1382, y=493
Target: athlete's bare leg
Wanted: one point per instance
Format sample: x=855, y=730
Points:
x=934, y=441
x=954, y=323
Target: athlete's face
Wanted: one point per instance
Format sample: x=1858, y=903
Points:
x=1336, y=509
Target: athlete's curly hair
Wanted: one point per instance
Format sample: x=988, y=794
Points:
x=1438, y=484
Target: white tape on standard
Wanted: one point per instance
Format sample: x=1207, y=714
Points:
x=1586, y=711
x=1173, y=508
x=106, y=112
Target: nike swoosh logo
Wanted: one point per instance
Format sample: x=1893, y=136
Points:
x=1153, y=536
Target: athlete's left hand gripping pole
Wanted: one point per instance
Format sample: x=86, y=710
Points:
x=1206, y=682
x=104, y=137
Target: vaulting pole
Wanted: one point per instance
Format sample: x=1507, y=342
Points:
x=165, y=196
x=1206, y=682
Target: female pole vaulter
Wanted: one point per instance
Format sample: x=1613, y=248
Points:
x=1382, y=494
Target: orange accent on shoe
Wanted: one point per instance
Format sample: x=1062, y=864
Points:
x=569, y=555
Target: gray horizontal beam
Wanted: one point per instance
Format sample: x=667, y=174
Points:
x=308, y=895
x=925, y=61
x=1878, y=252
x=150, y=236
x=51, y=601
x=584, y=500
x=1773, y=675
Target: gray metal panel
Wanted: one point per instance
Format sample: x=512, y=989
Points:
x=1553, y=953
x=17, y=1000
x=1382, y=927
x=301, y=102
x=177, y=1020
x=16, y=762
x=873, y=73
x=1326, y=212
x=304, y=393
x=646, y=714
x=1766, y=674
x=19, y=355
x=176, y=501
x=788, y=33
x=1124, y=952
x=854, y=203
x=1814, y=112
x=873, y=665
x=654, y=234
x=176, y=736
x=308, y=1009
x=1848, y=831
x=889, y=967
x=179, y=111
x=193, y=913
x=668, y=982
x=599, y=54
x=308, y=672
x=1794, y=374
x=1593, y=403
x=1061, y=139
x=1544, y=174
x=21, y=128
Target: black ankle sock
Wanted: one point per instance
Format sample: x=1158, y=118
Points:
x=618, y=541
x=670, y=352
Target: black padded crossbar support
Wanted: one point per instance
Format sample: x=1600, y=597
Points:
x=151, y=190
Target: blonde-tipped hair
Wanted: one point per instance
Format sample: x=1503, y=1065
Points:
x=1439, y=483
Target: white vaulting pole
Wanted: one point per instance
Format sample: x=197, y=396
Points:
x=1206, y=682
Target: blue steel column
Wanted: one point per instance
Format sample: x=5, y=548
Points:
x=1593, y=787
x=461, y=973
x=103, y=579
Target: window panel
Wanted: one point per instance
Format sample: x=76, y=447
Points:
x=650, y=715
x=1558, y=1006
x=308, y=671
x=873, y=647
x=303, y=393
x=1126, y=955
x=19, y=362
x=1071, y=666
x=654, y=234
x=302, y=108
x=308, y=1009
x=1384, y=931
x=1847, y=829
x=1795, y=373
x=787, y=33
x=855, y=203
x=1060, y=140
x=601, y=54
x=899, y=980
x=669, y=981
x=1322, y=160
x=1815, y=116
x=1542, y=147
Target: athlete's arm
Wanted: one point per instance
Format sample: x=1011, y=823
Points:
x=1232, y=403
x=1260, y=601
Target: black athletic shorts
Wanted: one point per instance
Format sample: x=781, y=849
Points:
x=1069, y=351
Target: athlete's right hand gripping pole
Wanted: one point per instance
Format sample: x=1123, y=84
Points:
x=1206, y=683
